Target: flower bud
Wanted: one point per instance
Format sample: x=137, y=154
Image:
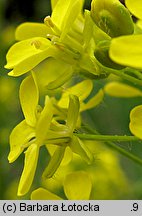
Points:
x=112, y=17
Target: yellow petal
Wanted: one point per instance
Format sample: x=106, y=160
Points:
x=19, y=137
x=117, y=89
x=126, y=50
x=29, y=30
x=44, y=121
x=68, y=156
x=81, y=90
x=88, y=28
x=30, y=164
x=93, y=102
x=43, y=194
x=23, y=50
x=135, y=7
x=65, y=13
x=26, y=54
x=136, y=121
x=53, y=3
x=29, y=96
x=139, y=24
x=77, y=186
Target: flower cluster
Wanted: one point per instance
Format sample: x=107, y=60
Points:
x=71, y=43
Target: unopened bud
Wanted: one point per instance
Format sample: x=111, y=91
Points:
x=112, y=17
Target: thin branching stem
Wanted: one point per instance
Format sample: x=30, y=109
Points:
x=107, y=137
x=108, y=141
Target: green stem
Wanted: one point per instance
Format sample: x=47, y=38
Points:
x=125, y=153
x=111, y=144
x=120, y=73
x=124, y=76
x=107, y=137
x=133, y=71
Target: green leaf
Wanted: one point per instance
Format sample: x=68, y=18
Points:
x=43, y=194
x=44, y=121
x=77, y=186
x=117, y=89
x=126, y=50
x=54, y=162
x=19, y=138
x=30, y=164
x=73, y=112
x=135, y=7
x=29, y=97
x=29, y=30
x=78, y=147
x=136, y=121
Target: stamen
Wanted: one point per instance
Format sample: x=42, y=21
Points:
x=36, y=43
x=48, y=22
x=53, y=38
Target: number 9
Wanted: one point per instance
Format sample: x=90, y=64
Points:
x=135, y=206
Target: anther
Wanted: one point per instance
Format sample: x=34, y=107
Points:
x=48, y=22
x=36, y=43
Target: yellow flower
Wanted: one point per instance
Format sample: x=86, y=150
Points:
x=40, y=127
x=29, y=133
x=75, y=144
x=68, y=105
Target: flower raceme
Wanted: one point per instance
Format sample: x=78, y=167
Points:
x=67, y=43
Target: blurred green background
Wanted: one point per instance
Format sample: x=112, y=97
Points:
x=111, y=117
